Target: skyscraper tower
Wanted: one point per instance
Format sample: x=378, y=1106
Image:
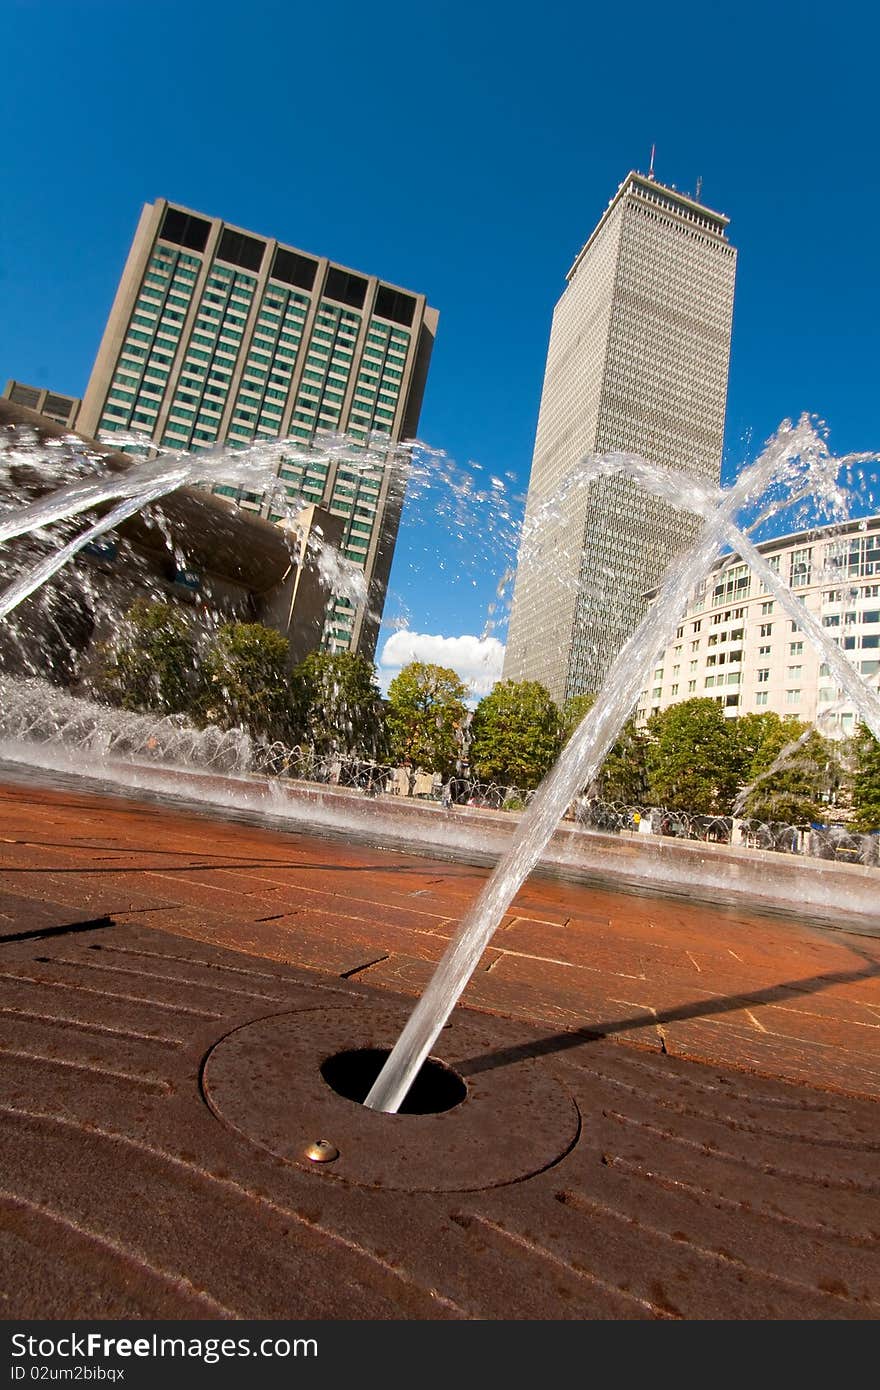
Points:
x=220, y=336
x=637, y=362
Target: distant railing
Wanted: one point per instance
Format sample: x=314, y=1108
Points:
x=391, y=779
x=821, y=841
x=31, y=711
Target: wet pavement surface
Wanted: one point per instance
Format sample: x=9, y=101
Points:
x=671, y=1111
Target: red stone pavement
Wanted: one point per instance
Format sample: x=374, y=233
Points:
x=709, y=1078
x=712, y=983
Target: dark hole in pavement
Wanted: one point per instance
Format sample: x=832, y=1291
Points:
x=436, y=1087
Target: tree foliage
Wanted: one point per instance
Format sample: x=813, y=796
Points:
x=573, y=713
x=866, y=781
x=693, y=759
x=797, y=790
x=761, y=738
x=808, y=771
x=153, y=663
x=515, y=734
x=426, y=712
x=245, y=682
x=339, y=705
x=624, y=773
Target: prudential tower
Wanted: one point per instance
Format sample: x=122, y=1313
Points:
x=637, y=362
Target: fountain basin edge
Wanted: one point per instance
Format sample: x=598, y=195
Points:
x=833, y=894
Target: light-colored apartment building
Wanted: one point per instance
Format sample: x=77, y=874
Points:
x=217, y=335
x=637, y=362
x=737, y=646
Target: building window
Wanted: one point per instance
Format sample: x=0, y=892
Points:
x=801, y=568
x=792, y=697
x=761, y=697
x=764, y=676
x=765, y=630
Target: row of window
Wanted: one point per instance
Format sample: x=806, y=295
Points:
x=161, y=307
x=844, y=720
x=865, y=556
x=868, y=615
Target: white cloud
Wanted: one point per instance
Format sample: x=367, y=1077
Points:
x=477, y=660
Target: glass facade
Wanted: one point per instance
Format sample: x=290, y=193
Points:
x=150, y=347
x=223, y=343
x=637, y=362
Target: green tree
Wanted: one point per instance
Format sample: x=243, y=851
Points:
x=245, y=682
x=761, y=738
x=426, y=711
x=808, y=774
x=866, y=782
x=624, y=773
x=797, y=791
x=340, y=705
x=573, y=712
x=515, y=734
x=693, y=758
x=153, y=663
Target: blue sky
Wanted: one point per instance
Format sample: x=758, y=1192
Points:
x=466, y=150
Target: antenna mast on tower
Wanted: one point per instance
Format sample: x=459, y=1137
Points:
x=651, y=165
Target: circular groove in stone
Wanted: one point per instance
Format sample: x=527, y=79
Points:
x=265, y=1081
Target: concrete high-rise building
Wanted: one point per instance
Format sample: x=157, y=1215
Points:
x=220, y=336
x=637, y=362
x=62, y=409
